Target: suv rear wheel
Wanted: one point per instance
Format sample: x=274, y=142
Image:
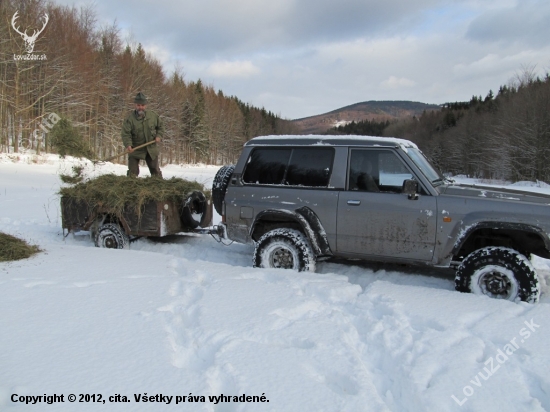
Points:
x=500, y=273
x=284, y=249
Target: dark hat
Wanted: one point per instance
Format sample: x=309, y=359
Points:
x=140, y=98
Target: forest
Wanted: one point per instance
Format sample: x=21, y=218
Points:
x=88, y=76
x=361, y=127
x=503, y=136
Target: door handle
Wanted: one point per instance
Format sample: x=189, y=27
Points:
x=354, y=202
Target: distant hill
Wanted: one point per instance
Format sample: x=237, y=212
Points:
x=371, y=110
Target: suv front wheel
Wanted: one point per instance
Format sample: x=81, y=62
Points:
x=284, y=249
x=500, y=273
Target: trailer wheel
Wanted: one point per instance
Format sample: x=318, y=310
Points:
x=219, y=186
x=111, y=236
x=196, y=211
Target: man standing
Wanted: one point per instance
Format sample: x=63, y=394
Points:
x=142, y=126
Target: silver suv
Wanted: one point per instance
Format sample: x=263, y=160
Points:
x=302, y=199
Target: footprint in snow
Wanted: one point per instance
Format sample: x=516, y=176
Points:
x=182, y=314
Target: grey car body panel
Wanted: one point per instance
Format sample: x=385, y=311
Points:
x=428, y=229
x=267, y=199
x=386, y=225
x=472, y=208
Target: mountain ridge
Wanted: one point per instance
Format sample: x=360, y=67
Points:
x=372, y=110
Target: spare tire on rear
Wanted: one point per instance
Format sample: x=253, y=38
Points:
x=219, y=186
x=196, y=211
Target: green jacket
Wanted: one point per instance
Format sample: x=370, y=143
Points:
x=138, y=131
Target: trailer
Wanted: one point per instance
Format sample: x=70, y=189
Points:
x=116, y=230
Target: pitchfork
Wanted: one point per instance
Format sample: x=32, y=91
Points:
x=122, y=153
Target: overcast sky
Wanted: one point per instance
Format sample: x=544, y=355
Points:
x=300, y=58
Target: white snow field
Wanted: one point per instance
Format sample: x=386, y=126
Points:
x=180, y=323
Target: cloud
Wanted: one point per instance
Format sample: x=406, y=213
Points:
x=526, y=22
x=299, y=58
x=227, y=28
x=233, y=69
x=494, y=65
x=397, y=83
x=161, y=53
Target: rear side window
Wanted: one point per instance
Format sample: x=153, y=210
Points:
x=310, y=167
x=267, y=166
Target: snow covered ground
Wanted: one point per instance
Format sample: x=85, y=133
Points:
x=191, y=320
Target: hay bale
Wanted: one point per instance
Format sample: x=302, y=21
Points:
x=12, y=248
x=116, y=192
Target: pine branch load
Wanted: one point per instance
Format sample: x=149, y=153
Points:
x=115, y=192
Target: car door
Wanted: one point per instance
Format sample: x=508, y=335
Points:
x=375, y=219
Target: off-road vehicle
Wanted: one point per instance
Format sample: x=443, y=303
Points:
x=302, y=199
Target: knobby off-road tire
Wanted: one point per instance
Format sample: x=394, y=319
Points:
x=195, y=211
x=500, y=273
x=111, y=236
x=284, y=249
x=219, y=186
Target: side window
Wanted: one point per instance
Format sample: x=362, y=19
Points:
x=392, y=172
x=376, y=171
x=267, y=166
x=310, y=167
x=363, y=171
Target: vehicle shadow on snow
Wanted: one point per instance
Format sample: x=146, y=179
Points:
x=364, y=273
x=198, y=247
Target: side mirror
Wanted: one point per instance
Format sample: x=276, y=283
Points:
x=410, y=187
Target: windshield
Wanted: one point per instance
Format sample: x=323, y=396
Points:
x=425, y=167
